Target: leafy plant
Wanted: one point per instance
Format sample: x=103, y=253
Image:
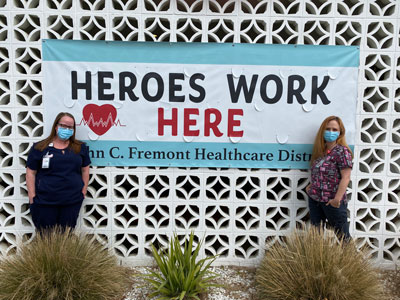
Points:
x=314, y=265
x=60, y=265
x=181, y=274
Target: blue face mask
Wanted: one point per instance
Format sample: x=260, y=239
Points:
x=331, y=136
x=64, y=133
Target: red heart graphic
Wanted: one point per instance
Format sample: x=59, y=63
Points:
x=99, y=118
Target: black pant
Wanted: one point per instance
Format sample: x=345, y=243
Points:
x=336, y=217
x=47, y=216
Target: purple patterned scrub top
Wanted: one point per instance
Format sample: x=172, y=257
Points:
x=325, y=174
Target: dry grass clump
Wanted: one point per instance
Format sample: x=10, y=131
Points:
x=62, y=266
x=313, y=265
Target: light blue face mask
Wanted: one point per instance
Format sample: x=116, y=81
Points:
x=331, y=136
x=64, y=133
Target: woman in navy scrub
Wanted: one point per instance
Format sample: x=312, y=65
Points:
x=57, y=176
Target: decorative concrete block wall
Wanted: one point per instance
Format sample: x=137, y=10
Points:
x=237, y=211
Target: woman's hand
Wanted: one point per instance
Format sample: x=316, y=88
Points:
x=334, y=202
x=85, y=178
x=30, y=184
x=344, y=182
x=308, y=187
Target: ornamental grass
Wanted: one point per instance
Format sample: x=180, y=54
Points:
x=314, y=265
x=181, y=274
x=60, y=265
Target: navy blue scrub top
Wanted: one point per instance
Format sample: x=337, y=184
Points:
x=61, y=183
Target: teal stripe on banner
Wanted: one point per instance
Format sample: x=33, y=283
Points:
x=201, y=53
x=180, y=154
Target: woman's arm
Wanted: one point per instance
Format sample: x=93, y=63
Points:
x=344, y=182
x=85, y=178
x=30, y=184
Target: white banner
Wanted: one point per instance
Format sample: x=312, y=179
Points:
x=207, y=105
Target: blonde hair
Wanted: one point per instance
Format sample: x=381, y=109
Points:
x=74, y=144
x=319, y=143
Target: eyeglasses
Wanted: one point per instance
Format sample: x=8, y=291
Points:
x=65, y=126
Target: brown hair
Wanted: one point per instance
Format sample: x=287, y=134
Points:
x=319, y=143
x=74, y=144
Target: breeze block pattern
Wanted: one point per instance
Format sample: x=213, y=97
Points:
x=238, y=212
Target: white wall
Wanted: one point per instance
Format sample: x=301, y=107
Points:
x=236, y=210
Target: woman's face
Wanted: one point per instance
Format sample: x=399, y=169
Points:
x=66, y=122
x=333, y=126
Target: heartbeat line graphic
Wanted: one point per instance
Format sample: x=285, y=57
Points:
x=100, y=123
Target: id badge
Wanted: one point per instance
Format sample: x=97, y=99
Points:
x=46, y=162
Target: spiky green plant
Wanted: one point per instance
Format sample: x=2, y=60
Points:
x=60, y=265
x=311, y=265
x=181, y=274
